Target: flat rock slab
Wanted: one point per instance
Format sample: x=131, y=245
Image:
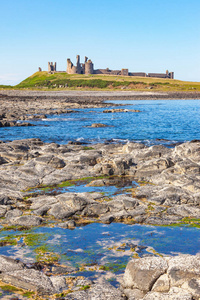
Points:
x=27, y=221
x=8, y=264
x=29, y=279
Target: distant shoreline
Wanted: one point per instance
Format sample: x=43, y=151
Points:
x=98, y=95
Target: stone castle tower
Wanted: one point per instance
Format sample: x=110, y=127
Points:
x=51, y=67
x=86, y=68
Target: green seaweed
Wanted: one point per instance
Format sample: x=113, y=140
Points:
x=33, y=239
x=87, y=148
x=113, y=267
x=10, y=288
x=28, y=294
x=9, y=240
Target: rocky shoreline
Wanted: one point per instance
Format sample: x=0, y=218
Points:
x=33, y=175
x=168, y=193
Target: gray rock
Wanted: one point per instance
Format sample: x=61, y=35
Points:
x=62, y=269
x=27, y=220
x=8, y=264
x=134, y=294
x=13, y=214
x=150, y=268
x=173, y=294
x=59, y=283
x=51, y=160
x=29, y=279
x=104, y=291
x=183, y=268
x=3, y=210
x=80, y=295
x=60, y=212
x=162, y=284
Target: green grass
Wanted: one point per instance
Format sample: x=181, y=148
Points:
x=45, y=81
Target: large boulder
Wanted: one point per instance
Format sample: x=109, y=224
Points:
x=142, y=273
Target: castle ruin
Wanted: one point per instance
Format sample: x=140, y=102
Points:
x=88, y=68
x=51, y=67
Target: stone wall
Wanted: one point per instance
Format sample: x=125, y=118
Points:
x=88, y=68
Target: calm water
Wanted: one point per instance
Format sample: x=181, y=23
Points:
x=174, y=120
x=110, y=245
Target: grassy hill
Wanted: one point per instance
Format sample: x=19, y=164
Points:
x=58, y=81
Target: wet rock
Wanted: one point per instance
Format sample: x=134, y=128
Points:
x=97, y=125
x=62, y=269
x=14, y=123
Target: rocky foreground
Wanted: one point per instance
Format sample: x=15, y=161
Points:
x=168, y=193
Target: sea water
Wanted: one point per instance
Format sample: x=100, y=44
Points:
x=160, y=122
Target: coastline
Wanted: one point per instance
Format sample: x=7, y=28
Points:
x=99, y=95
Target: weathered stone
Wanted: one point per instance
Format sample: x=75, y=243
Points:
x=134, y=294
x=62, y=269
x=8, y=264
x=150, y=268
x=60, y=212
x=173, y=294
x=80, y=295
x=162, y=284
x=13, y=214
x=104, y=291
x=29, y=279
x=27, y=220
x=59, y=283
x=183, y=268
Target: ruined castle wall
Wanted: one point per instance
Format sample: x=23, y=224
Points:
x=107, y=72
x=157, y=75
x=139, y=74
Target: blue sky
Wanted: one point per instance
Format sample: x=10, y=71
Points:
x=141, y=35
